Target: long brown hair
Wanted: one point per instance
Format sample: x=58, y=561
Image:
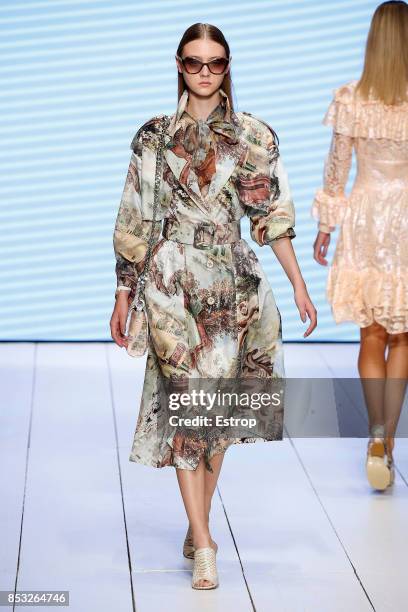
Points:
x=199, y=31
x=385, y=73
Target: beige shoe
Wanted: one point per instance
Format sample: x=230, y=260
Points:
x=188, y=546
x=377, y=466
x=389, y=446
x=205, y=568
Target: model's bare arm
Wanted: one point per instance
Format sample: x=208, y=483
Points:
x=283, y=249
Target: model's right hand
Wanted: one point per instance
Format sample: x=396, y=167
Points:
x=320, y=246
x=118, y=319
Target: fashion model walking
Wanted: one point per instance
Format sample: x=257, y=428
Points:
x=368, y=279
x=211, y=310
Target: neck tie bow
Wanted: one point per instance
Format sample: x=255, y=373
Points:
x=200, y=134
x=223, y=128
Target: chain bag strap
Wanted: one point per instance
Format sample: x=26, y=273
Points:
x=138, y=327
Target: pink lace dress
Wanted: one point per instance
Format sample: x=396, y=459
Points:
x=367, y=279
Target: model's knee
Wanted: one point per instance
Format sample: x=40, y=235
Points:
x=374, y=333
x=395, y=340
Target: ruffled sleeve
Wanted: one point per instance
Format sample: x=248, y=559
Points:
x=352, y=117
x=330, y=200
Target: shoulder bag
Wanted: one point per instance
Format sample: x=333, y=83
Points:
x=137, y=321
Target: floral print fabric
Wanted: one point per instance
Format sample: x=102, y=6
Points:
x=212, y=313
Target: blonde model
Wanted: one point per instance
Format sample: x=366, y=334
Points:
x=368, y=279
x=211, y=310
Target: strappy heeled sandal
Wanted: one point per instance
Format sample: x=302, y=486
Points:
x=205, y=568
x=377, y=467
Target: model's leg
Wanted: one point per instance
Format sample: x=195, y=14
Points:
x=372, y=370
x=397, y=375
x=210, y=482
x=192, y=487
x=211, y=479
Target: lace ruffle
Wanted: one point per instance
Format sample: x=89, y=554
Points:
x=353, y=116
x=368, y=295
x=327, y=209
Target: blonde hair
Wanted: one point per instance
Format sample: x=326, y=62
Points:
x=385, y=72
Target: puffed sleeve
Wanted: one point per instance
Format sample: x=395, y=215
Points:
x=278, y=220
x=330, y=200
x=131, y=231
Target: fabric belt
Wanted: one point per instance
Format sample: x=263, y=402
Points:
x=202, y=234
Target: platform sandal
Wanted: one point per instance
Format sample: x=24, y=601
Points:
x=377, y=468
x=205, y=568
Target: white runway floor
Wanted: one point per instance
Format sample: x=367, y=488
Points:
x=297, y=525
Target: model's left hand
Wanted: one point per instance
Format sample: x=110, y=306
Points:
x=305, y=307
x=320, y=247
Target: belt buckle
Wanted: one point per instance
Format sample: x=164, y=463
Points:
x=204, y=235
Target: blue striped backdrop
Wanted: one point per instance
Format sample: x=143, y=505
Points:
x=78, y=78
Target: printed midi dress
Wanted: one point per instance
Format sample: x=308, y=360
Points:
x=368, y=278
x=210, y=307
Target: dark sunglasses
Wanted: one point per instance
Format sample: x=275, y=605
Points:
x=194, y=66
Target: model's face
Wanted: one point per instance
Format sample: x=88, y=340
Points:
x=204, y=83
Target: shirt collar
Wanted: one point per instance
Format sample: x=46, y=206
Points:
x=181, y=108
